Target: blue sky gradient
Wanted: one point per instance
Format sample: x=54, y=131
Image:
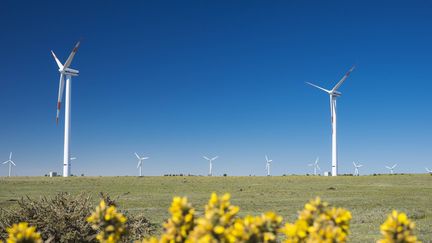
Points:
x=176, y=80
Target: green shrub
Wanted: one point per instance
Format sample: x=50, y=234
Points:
x=62, y=218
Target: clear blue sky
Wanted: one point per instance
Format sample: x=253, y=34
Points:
x=176, y=80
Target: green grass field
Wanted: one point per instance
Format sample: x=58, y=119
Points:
x=369, y=198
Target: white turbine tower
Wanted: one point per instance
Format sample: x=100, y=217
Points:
x=268, y=163
x=334, y=93
x=10, y=163
x=391, y=168
x=140, y=163
x=210, y=163
x=68, y=72
x=429, y=171
x=315, y=165
x=356, y=166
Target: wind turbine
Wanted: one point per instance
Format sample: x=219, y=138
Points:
x=10, y=163
x=391, y=168
x=356, y=166
x=315, y=165
x=429, y=171
x=268, y=163
x=211, y=163
x=140, y=163
x=334, y=93
x=68, y=72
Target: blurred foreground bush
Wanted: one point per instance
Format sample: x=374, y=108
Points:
x=63, y=218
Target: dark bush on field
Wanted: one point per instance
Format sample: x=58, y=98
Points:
x=62, y=218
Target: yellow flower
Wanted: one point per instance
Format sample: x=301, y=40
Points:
x=319, y=223
x=109, y=223
x=398, y=229
x=22, y=233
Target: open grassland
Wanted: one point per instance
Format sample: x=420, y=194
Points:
x=369, y=198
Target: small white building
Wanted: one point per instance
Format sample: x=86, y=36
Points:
x=52, y=174
x=327, y=173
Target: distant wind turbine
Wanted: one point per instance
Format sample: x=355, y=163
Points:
x=68, y=72
x=315, y=165
x=268, y=163
x=429, y=171
x=140, y=163
x=10, y=163
x=391, y=168
x=334, y=93
x=210, y=163
x=356, y=166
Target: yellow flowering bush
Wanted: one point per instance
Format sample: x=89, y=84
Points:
x=398, y=229
x=262, y=228
x=22, y=233
x=317, y=222
x=218, y=216
x=109, y=223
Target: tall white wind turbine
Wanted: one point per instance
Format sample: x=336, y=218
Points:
x=210, y=164
x=391, y=168
x=268, y=163
x=140, y=163
x=66, y=71
x=334, y=93
x=429, y=171
x=10, y=163
x=315, y=165
x=356, y=166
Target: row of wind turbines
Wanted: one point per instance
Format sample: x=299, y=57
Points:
x=65, y=82
x=141, y=159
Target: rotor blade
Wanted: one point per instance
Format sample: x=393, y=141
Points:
x=10, y=156
x=205, y=157
x=343, y=79
x=60, y=95
x=358, y=166
x=388, y=167
x=215, y=157
x=319, y=168
x=5, y=162
x=318, y=87
x=137, y=155
x=73, y=158
x=57, y=60
x=12, y=162
x=354, y=164
x=266, y=158
x=316, y=161
x=394, y=166
x=71, y=56
x=143, y=158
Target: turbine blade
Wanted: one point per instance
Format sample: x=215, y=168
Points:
x=143, y=158
x=215, y=157
x=13, y=163
x=60, y=96
x=343, y=79
x=318, y=87
x=137, y=155
x=316, y=161
x=388, y=167
x=10, y=156
x=206, y=158
x=57, y=60
x=354, y=164
x=319, y=168
x=71, y=56
x=266, y=158
x=394, y=166
x=5, y=162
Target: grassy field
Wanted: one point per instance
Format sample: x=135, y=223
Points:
x=369, y=198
